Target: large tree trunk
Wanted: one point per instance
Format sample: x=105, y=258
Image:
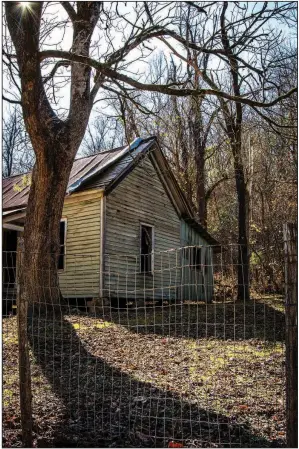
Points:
x=234, y=128
x=41, y=234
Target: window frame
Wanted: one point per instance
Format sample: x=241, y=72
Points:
x=60, y=270
x=140, y=247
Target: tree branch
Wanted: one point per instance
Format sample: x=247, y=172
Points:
x=55, y=68
x=11, y=101
x=213, y=187
x=106, y=70
x=70, y=10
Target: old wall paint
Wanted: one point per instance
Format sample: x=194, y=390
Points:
x=196, y=284
x=81, y=276
x=141, y=198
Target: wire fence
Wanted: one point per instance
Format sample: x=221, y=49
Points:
x=159, y=352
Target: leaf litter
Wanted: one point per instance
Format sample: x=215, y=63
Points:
x=126, y=380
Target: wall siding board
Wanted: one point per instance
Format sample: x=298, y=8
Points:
x=81, y=275
x=140, y=198
x=197, y=284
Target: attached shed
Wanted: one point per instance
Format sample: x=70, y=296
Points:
x=125, y=229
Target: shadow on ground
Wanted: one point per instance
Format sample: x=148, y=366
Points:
x=90, y=403
x=262, y=319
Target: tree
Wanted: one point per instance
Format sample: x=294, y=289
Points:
x=17, y=153
x=105, y=133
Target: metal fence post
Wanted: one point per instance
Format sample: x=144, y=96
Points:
x=24, y=359
x=291, y=312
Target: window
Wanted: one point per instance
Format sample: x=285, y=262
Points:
x=208, y=262
x=195, y=258
x=146, y=256
x=62, y=238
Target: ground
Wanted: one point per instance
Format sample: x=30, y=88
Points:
x=194, y=375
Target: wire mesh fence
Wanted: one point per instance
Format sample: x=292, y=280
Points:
x=160, y=352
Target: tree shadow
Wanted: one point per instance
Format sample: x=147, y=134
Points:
x=260, y=319
x=80, y=400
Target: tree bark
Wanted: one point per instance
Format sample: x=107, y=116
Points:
x=182, y=139
x=199, y=142
x=291, y=312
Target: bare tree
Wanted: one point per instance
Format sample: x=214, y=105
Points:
x=17, y=152
x=104, y=133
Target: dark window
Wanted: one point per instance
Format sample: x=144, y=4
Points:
x=195, y=258
x=146, y=249
x=207, y=261
x=61, y=259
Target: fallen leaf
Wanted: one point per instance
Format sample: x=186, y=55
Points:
x=175, y=444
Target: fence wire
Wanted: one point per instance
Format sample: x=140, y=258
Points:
x=163, y=357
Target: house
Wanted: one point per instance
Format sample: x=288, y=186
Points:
x=127, y=231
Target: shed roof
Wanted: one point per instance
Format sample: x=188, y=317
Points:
x=103, y=170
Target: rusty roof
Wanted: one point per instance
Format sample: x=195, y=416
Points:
x=15, y=189
x=103, y=171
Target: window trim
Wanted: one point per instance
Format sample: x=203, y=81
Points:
x=141, y=223
x=61, y=270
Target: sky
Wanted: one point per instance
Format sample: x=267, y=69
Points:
x=61, y=38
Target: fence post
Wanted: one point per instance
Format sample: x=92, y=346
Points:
x=24, y=360
x=291, y=311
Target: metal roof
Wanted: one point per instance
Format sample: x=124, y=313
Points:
x=15, y=189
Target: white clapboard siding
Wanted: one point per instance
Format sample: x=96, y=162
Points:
x=140, y=198
x=81, y=275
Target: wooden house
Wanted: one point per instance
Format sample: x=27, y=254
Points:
x=127, y=230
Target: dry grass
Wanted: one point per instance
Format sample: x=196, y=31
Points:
x=207, y=376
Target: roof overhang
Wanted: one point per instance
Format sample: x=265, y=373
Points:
x=13, y=220
x=9, y=216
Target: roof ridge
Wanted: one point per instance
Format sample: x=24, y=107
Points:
x=100, y=152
